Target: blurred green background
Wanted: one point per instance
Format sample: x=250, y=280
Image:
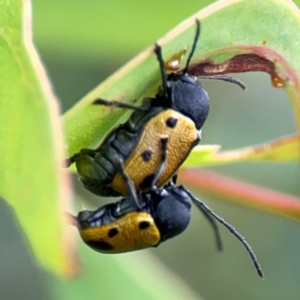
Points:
x=83, y=42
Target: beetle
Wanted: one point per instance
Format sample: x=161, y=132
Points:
x=177, y=112
x=162, y=214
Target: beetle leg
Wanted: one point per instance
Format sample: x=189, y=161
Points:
x=164, y=145
x=174, y=179
x=100, y=101
x=85, y=151
x=119, y=164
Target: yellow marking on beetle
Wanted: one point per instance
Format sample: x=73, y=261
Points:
x=130, y=236
x=181, y=139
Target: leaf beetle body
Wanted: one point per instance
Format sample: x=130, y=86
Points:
x=122, y=227
x=177, y=112
x=161, y=215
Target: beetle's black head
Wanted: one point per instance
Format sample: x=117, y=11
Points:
x=181, y=91
x=188, y=96
x=172, y=212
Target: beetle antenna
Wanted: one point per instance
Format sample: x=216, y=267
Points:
x=213, y=224
x=225, y=78
x=200, y=204
x=194, y=46
x=157, y=51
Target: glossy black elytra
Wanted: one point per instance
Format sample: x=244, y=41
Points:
x=177, y=112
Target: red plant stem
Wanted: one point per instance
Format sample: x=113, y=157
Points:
x=241, y=193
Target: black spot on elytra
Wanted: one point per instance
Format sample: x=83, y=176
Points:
x=113, y=232
x=171, y=122
x=146, y=155
x=99, y=246
x=144, y=225
x=146, y=183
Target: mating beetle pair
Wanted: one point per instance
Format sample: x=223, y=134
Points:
x=177, y=112
x=142, y=154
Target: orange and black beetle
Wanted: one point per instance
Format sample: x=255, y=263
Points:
x=162, y=214
x=176, y=113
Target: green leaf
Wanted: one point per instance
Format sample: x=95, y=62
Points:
x=283, y=149
x=239, y=45
x=31, y=142
x=86, y=42
x=137, y=275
